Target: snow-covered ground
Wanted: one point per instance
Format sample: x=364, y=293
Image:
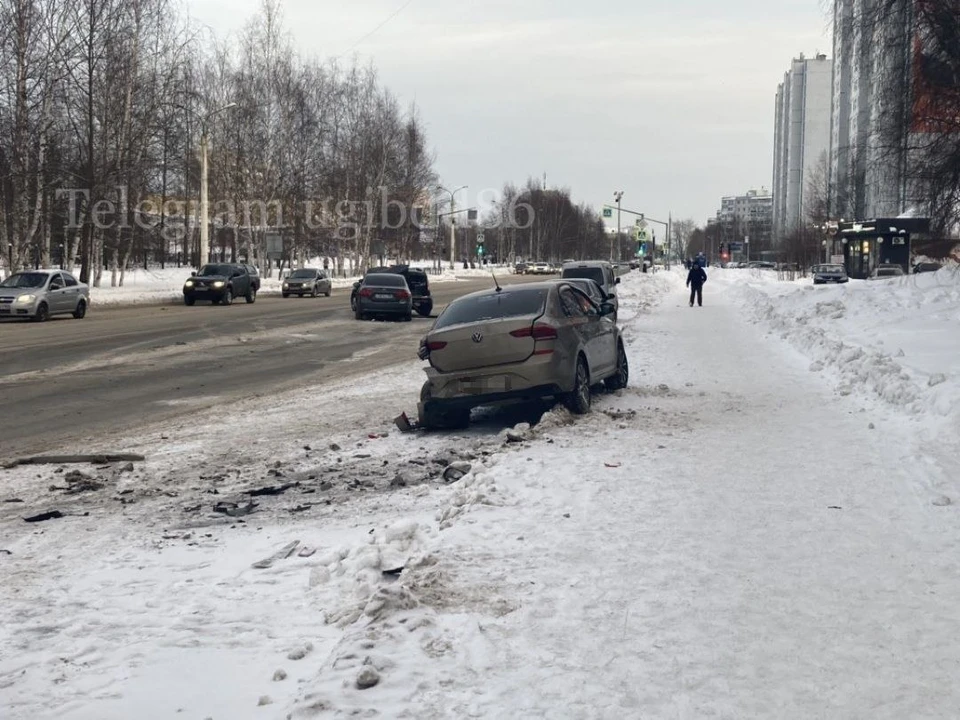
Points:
x=732, y=536
x=158, y=285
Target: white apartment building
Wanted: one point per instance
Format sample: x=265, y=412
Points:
x=801, y=137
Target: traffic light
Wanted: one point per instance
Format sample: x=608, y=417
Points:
x=480, y=249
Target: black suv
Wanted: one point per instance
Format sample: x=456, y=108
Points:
x=221, y=283
x=416, y=280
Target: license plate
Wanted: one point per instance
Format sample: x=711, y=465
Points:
x=381, y=296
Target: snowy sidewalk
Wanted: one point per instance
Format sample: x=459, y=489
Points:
x=758, y=552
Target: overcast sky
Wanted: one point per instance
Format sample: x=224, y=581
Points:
x=671, y=102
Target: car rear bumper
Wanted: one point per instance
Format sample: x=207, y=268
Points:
x=538, y=376
x=385, y=308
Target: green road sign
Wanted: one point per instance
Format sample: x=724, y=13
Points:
x=607, y=212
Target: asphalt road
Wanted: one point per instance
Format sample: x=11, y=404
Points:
x=65, y=381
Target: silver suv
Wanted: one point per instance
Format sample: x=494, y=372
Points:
x=601, y=272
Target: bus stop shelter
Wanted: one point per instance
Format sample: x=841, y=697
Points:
x=869, y=243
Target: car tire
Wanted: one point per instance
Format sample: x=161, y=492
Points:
x=578, y=401
x=425, y=309
x=81, y=311
x=353, y=303
x=43, y=313
x=314, y=293
x=286, y=295
x=189, y=301
x=453, y=419
x=327, y=293
x=227, y=298
x=408, y=317
x=620, y=378
x=359, y=315
x=251, y=296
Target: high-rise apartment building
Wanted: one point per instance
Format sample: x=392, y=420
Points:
x=801, y=139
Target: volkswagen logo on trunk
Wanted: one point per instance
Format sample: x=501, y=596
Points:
x=478, y=337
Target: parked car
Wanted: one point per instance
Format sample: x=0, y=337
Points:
x=925, y=267
x=885, y=271
x=307, y=281
x=593, y=291
x=528, y=342
x=417, y=283
x=761, y=265
x=384, y=294
x=521, y=268
x=220, y=283
x=829, y=273
x=601, y=272
x=39, y=294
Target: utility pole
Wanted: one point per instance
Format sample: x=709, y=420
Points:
x=204, y=202
x=453, y=222
x=617, y=195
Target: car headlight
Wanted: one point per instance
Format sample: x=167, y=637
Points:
x=286, y=285
x=219, y=284
x=189, y=283
x=25, y=299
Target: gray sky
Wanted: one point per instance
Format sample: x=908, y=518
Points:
x=671, y=102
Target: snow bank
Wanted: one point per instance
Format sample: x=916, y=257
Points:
x=897, y=340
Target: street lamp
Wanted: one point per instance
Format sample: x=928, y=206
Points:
x=204, y=219
x=453, y=222
x=617, y=195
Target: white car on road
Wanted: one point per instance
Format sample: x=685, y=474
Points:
x=38, y=294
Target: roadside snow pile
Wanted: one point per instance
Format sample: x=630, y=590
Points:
x=896, y=339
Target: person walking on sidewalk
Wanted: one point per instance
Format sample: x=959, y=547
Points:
x=695, y=280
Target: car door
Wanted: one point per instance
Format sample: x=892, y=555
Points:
x=579, y=323
x=71, y=291
x=241, y=281
x=326, y=285
x=56, y=294
x=603, y=335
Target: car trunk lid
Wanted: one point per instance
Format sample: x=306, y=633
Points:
x=483, y=344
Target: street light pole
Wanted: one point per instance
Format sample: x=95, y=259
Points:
x=453, y=222
x=204, y=201
x=618, y=195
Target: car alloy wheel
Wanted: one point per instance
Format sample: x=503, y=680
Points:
x=252, y=295
x=227, y=297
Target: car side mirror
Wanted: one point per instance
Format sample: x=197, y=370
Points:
x=193, y=274
x=617, y=281
x=607, y=308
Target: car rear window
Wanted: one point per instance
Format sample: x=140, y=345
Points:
x=495, y=306
x=385, y=280
x=589, y=273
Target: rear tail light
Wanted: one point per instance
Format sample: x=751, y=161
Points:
x=537, y=332
x=402, y=295
x=366, y=292
x=436, y=345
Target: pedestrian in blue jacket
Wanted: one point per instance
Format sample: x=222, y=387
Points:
x=695, y=280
